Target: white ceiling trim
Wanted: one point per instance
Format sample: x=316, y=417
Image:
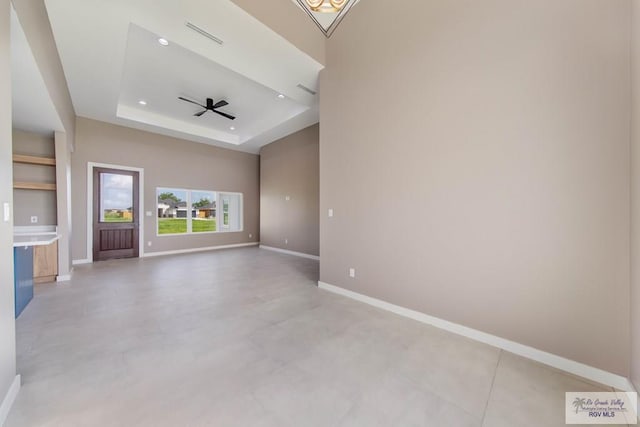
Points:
x=153, y=119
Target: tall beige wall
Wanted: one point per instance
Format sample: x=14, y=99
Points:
x=476, y=155
x=167, y=162
x=28, y=203
x=635, y=198
x=289, y=192
x=7, y=321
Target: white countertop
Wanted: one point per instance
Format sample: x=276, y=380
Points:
x=24, y=240
x=34, y=236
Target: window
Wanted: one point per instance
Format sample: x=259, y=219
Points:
x=231, y=211
x=172, y=211
x=204, y=211
x=195, y=211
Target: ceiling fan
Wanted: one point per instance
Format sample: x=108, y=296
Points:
x=210, y=107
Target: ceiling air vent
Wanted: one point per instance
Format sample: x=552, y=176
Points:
x=306, y=89
x=204, y=33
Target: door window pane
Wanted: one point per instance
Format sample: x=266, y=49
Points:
x=116, y=198
x=172, y=211
x=203, y=206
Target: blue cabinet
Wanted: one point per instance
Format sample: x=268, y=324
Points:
x=23, y=273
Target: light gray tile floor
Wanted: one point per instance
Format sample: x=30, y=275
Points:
x=245, y=338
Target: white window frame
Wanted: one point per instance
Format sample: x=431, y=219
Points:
x=219, y=215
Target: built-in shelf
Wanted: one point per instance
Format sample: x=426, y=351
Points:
x=34, y=186
x=33, y=160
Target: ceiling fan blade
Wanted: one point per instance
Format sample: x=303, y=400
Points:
x=228, y=116
x=200, y=113
x=220, y=104
x=193, y=102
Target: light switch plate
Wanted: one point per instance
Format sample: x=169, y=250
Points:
x=149, y=213
x=6, y=208
x=330, y=213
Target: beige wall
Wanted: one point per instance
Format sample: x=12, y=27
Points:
x=291, y=22
x=290, y=168
x=479, y=173
x=635, y=198
x=28, y=203
x=7, y=321
x=167, y=162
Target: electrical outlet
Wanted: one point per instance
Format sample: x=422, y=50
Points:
x=34, y=219
x=149, y=243
x=149, y=213
x=250, y=235
x=352, y=272
x=286, y=241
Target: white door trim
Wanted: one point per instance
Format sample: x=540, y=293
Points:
x=90, y=166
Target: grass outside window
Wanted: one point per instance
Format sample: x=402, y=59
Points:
x=179, y=225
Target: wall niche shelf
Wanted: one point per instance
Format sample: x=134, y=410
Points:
x=34, y=186
x=33, y=160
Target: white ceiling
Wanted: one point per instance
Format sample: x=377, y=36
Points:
x=32, y=108
x=112, y=59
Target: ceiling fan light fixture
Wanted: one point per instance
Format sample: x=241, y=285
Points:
x=327, y=14
x=326, y=6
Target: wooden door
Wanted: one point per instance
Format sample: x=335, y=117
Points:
x=115, y=214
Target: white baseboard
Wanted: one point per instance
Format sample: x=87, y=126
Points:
x=206, y=249
x=558, y=362
x=284, y=251
x=63, y=278
x=81, y=261
x=8, y=400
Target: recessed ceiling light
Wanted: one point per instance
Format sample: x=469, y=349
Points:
x=142, y=102
x=281, y=96
x=163, y=41
x=232, y=128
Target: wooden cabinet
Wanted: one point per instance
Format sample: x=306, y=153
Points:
x=45, y=263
